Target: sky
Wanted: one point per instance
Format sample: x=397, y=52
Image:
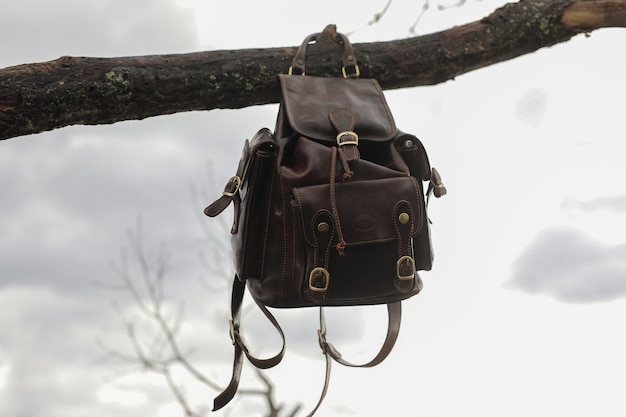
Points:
x=521, y=315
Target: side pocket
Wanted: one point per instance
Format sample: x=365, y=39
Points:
x=414, y=155
x=249, y=238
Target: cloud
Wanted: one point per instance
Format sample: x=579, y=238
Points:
x=616, y=204
x=531, y=107
x=570, y=266
x=111, y=28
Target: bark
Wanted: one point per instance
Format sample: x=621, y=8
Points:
x=80, y=90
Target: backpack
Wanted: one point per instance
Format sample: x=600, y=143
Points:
x=330, y=209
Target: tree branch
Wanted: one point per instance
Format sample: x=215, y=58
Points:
x=78, y=90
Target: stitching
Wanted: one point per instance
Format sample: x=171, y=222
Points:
x=330, y=239
x=418, y=194
x=284, y=222
x=301, y=212
x=395, y=224
x=267, y=225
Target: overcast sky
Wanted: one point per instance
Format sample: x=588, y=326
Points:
x=522, y=314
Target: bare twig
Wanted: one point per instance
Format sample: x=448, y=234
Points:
x=155, y=346
x=380, y=14
x=424, y=9
x=459, y=3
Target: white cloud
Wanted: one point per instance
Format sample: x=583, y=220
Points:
x=531, y=107
x=616, y=203
x=570, y=266
x=37, y=31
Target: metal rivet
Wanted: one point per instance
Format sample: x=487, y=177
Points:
x=408, y=143
x=323, y=227
x=403, y=218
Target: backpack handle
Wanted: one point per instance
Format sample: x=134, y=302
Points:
x=350, y=69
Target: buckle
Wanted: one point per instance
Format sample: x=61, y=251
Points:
x=354, y=141
x=326, y=275
x=290, y=72
x=399, y=266
x=231, y=331
x=321, y=339
x=355, y=74
x=237, y=181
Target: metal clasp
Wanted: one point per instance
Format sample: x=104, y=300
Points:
x=356, y=74
x=326, y=275
x=290, y=72
x=399, y=266
x=237, y=181
x=354, y=141
x=231, y=331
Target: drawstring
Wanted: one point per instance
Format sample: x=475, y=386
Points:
x=341, y=245
x=347, y=172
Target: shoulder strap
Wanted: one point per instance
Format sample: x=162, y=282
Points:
x=394, y=311
x=239, y=288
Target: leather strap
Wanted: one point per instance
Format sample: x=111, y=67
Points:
x=394, y=311
x=231, y=191
x=343, y=120
x=224, y=398
x=348, y=58
x=395, y=314
x=323, y=232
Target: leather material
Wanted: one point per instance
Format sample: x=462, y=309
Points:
x=298, y=64
x=329, y=209
x=308, y=101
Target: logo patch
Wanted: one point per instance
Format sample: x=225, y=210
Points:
x=364, y=223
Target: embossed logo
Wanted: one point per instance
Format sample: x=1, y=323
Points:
x=364, y=223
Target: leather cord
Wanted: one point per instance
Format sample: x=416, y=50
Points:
x=341, y=245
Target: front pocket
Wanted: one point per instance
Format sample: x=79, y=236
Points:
x=359, y=248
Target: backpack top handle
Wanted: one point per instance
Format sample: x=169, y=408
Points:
x=350, y=69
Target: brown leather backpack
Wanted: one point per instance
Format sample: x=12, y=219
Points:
x=329, y=209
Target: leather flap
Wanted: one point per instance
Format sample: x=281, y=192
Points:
x=365, y=208
x=308, y=102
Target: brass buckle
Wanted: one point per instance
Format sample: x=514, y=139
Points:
x=237, y=181
x=354, y=141
x=399, y=263
x=326, y=278
x=356, y=74
x=290, y=72
x=231, y=331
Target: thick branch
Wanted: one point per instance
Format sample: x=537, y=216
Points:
x=74, y=90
